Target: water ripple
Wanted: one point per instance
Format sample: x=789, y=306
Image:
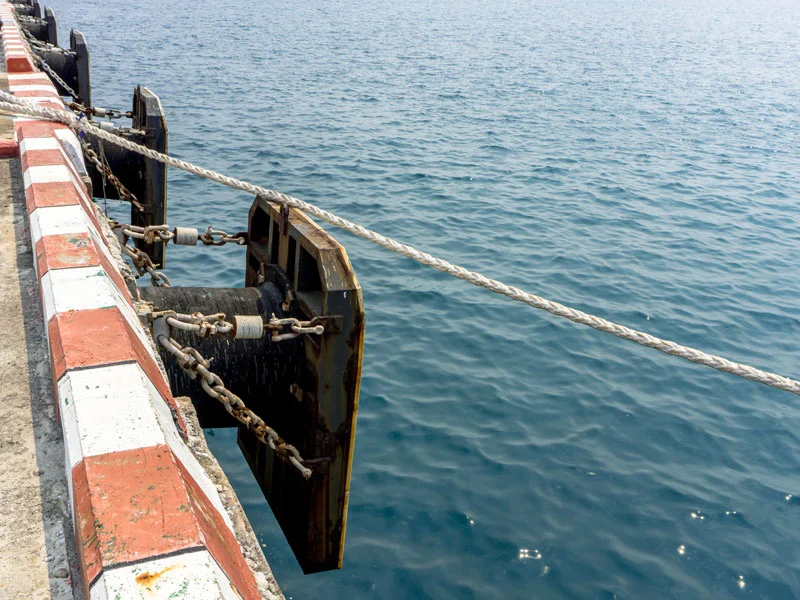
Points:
x=637, y=161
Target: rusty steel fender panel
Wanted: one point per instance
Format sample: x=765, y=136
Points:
x=318, y=414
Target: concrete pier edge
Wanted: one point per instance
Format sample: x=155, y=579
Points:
x=38, y=557
x=149, y=520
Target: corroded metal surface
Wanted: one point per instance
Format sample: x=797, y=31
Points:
x=318, y=414
x=302, y=379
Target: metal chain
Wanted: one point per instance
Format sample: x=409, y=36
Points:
x=48, y=48
x=209, y=325
x=193, y=363
x=19, y=106
x=144, y=264
x=124, y=193
x=296, y=326
x=140, y=259
x=150, y=233
x=36, y=47
x=197, y=323
x=46, y=68
x=30, y=19
x=96, y=111
x=41, y=46
x=44, y=47
x=213, y=237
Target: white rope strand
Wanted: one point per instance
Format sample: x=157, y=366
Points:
x=18, y=106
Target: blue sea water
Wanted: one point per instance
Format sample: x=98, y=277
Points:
x=637, y=160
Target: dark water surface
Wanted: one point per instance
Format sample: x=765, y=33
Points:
x=638, y=160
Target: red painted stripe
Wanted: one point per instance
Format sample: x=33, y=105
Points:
x=84, y=527
x=35, y=129
x=140, y=504
x=220, y=540
x=39, y=158
x=8, y=149
x=18, y=63
x=115, y=276
x=33, y=158
x=35, y=93
x=65, y=252
x=39, y=129
x=17, y=80
x=57, y=193
x=96, y=337
x=129, y=506
x=88, y=338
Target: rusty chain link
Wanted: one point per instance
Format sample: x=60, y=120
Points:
x=153, y=233
x=149, y=233
x=209, y=325
x=194, y=364
x=144, y=264
x=53, y=75
x=297, y=327
x=201, y=325
x=164, y=233
x=208, y=238
x=96, y=111
x=124, y=193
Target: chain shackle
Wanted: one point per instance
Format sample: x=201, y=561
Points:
x=213, y=237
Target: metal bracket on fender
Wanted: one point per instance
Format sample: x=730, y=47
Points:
x=144, y=177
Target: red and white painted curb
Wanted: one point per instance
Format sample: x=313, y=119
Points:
x=18, y=59
x=149, y=522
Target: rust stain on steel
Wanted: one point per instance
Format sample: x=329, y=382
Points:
x=147, y=579
x=313, y=514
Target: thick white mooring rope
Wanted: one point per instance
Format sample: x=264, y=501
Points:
x=18, y=106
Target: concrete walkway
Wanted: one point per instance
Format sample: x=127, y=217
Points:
x=37, y=548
